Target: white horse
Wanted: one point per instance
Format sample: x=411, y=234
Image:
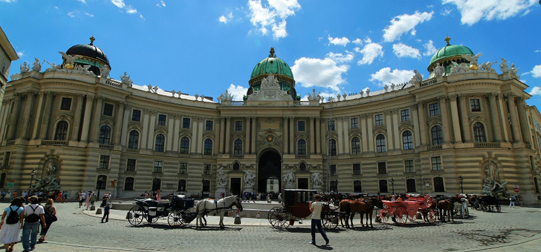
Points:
x=217, y=206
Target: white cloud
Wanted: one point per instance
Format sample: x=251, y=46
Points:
x=385, y=76
x=131, y=10
x=403, y=24
x=343, y=41
x=161, y=4
x=402, y=50
x=8, y=1
x=118, y=3
x=225, y=19
x=446, y=12
x=324, y=73
x=536, y=72
x=71, y=14
x=88, y=14
x=238, y=92
x=430, y=48
x=82, y=1
x=370, y=52
x=341, y=58
x=536, y=91
x=474, y=10
x=537, y=51
x=358, y=41
x=267, y=17
x=20, y=53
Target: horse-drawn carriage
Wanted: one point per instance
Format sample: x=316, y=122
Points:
x=295, y=206
x=177, y=211
x=402, y=210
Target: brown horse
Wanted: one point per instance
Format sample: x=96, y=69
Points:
x=446, y=207
x=348, y=208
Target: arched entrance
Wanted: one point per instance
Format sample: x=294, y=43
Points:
x=269, y=166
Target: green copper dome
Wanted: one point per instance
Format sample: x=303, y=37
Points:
x=449, y=53
x=273, y=65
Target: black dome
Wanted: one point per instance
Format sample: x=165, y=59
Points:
x=89, y=51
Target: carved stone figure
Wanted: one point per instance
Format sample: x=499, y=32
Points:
x=416, y=78
x=249, y=178
x=51, y=168
x=68, y=58
x=25, y=68
x=459, y=68
x=472, y=60
x=493, y=188
x=222, y=177
x=225, y=96
x=439, y=70
x=368, y=92
x=125, y=79
x=487, y=66
x=289, y=179
x=503, y=66
x=513, y=70
x=313, y=96
x=36, y=65
x=104, y=72
x=270, y=91
x=492, y=171
x=316, y=179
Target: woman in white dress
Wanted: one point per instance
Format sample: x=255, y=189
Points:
x=11, y=233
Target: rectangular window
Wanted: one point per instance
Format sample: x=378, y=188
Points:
x=66, y=103
x=354, y=123
x=405, y=115
x=162, y=119
x=131, y=165
x=158, y=165
x=128, y=186
x=408, y=165
x=356, y=169
x=206, y=169
x=436, y=163
x=379, y=119
x=209, y=125
x=475, y=105
x=434, y=109
x=357, y=186
x=333, y=170
x=334, y=186
x=301, y=126
x=104, y=162
x=108, y=109
x=186, y=123
x=136, y=115
x=183, y=169
x=238, y=125
x=7, y=157
x=382, y=168
x=331, y=125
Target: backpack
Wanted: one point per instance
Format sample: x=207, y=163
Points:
x=13, y=217
x=32, y=218
x=49, y=217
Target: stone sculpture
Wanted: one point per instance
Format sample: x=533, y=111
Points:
x=222, y=177
x=439, y=70
x=316, y=179
x=289, y=179
x=36, y=65
x=249, y=178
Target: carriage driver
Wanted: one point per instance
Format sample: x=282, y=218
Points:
x=315, y=208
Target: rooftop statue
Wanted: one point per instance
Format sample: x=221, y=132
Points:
x=487, y=66
x=125, y=79
x=313, y=96
x=439, y=70
x=416, y=78
x=36, y=65
x=104, y=71
x=25, y=68
x=503, y=66
x=472, y=60
x=514, y=71
x=459, y=68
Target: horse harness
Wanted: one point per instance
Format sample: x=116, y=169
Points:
x=216, y=209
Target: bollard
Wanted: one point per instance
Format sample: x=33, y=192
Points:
x=237, y=219
x=98, y=211
x=92, y=208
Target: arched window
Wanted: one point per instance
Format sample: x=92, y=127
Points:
x=156, y=184
x=355, y=146
x=301, y=147
x=181, y=185
x=380, y=143
x=302, y=167
x=357, y=187
x=479, y=132
x=160, y=143
x=133, y=142
x=128, y=184
x=410, y=185
x=105, y=134
x=437, y=135
x=208, y=147
x=61, y=131
x=332, y=147
x=237, y=150
x=184, y=145
x=438, y=184
x=407, y=140
x=383, y=186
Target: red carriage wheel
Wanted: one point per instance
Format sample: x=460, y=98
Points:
x=383, y=216
x=276, y=217
x=431, y=216
x=401, y=215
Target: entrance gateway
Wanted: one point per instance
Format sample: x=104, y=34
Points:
x=269, y=172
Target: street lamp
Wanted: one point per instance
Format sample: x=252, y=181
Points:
x=392, y=184
x=336, y=184
x=32, y=173
x=460, y=179
x=202, y=187
x=100, y=183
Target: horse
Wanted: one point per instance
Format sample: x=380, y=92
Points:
x=446, y=207
x=220, y=207
x=350, y=207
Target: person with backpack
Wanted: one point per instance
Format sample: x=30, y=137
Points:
x=9, y=226
x=30, y=218
x=50, y=217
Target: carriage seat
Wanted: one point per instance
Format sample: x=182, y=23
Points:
x=153, y=203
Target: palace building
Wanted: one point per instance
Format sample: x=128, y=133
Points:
x=466, y=128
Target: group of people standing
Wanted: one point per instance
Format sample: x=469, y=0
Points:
x=90, y=197
x=28, y=218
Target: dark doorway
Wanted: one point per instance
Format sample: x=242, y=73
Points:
x=303, y=183
x=3, y=180
x=156, y=183
x=268, y=166
x=235, y=186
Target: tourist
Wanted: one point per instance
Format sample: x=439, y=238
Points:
x=82, y=197
x=106, y=212
x=66, y=194
x=315, y=208
x=11, y=228
x=104, y=200
x=50, y=217
x=93, y=198
x=512, y=201
x=4, y=193
x=30, y=224
x=158, y=196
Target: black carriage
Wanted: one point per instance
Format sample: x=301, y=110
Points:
x=490, y=203
x=177, y=211
x=295, y=207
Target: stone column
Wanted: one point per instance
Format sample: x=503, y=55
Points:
x=37, y=116
x=151, y=128
x=416, y=130
x=495, y=116
x=247, y=142
x=422, y=123
x=170, y=128
x=389, y=125
x=4, y=112
x=227, y=134
x=523, y=119
x=501, y=113
x=86, y=118
x=77, y=120
x=318, y=135
x=364, y=136
x=340, y=137
x=200, y=142
x=312, y=141
x=396, y=132
x=465, y=119
x=445, y=120
x=146, y=126
x=291, y=135
x=221, y=136
x=455, y=120
x=517, y=134
x=125, y=132
x=96, y=118
x=254, y=128
x=345, y=134
x=118, y=123
x=28, y=108
x=14, y=118
x=286, y=145
x=176, y=131
x=370, y=134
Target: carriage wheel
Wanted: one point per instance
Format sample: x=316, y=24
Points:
x=498, y=208
x=276, y=217
x=330, y=221
x=175, y=219
x=287, y=220
x=401, y=215
x=383, y=216
x=136, y=215
x=431, y=216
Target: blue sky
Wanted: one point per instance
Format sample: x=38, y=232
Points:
x=206, y=47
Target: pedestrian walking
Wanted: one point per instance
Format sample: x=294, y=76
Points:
x=4, y=193
x=88, y=196
x=30, y=218
x=50, y=217
x=82, y=197
x=512, y=201
x=158, y=195
x=106, y=212
x=93, y=198
x=104, y=200
x=10, y=226
x=315, y=208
